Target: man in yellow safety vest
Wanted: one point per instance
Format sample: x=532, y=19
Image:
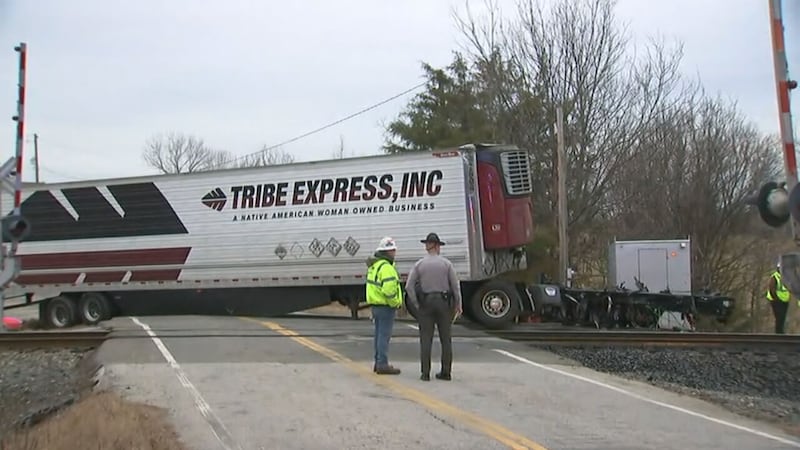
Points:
x=778, y=295
x=385, y=295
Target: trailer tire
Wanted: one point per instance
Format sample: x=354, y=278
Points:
x=495, y=304
x=93, y=307
x=60, y=312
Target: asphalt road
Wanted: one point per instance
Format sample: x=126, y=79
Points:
x=307, y=383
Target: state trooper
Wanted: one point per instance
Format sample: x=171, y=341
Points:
x=433, y=289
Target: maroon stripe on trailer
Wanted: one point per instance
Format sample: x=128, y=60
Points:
x=114, y=258
x=156, y=275
x=103, y=277
x=48, y=278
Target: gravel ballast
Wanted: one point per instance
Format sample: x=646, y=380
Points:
x=35, y=383
x=760, y=385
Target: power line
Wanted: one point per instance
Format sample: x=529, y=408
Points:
x=369, y=108
x=62, y=175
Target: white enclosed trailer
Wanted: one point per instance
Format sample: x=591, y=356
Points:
x=663, y=265
x=660, y=266
x=276, y=239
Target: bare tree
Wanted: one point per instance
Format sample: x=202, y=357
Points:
x=267, y=156
x=689, y=175
x=180, y=153
x=575, y=54
x=572, y=54
x=339, y=153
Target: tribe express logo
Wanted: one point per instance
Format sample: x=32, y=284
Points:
x=370, y=188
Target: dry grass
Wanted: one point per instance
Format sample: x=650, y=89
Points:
x=100, y=421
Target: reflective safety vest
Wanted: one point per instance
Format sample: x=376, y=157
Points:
x=780, y=288
x=383, y=285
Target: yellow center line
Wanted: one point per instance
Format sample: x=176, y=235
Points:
x=493, y=430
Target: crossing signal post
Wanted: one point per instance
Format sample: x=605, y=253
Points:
x=15, y=227
x=780, y=203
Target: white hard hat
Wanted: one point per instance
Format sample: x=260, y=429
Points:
x=386, y=244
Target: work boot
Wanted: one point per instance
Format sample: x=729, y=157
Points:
x=443, y=376
x=387, y=370
x=425, y=377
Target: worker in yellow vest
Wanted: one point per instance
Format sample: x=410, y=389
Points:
x=384, y=293
x=778, y=295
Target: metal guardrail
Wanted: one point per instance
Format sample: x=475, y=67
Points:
x=17, y=340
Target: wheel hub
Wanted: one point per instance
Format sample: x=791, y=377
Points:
x=92, y=310
x=496, y=304
x=61, y=315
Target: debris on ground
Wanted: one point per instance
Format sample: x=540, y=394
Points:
x=100, y=420
x=761, y=385
x=35, y=383
x=47, y=402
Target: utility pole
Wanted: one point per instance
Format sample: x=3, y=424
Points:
x=563, y=244
x=36, y=154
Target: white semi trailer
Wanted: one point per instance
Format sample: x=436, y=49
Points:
x=274, y=240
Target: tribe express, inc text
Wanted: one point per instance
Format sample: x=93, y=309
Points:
x=336, y=190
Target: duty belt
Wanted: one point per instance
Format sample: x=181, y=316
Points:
x=444, y=295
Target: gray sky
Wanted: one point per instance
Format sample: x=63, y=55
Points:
x=105, y=75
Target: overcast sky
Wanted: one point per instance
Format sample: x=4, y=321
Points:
x=104, y=75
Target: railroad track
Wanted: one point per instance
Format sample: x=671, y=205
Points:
x=651, y=338
x=583, y=338
x=19, y=340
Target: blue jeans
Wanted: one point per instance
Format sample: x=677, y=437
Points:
x=384, y=321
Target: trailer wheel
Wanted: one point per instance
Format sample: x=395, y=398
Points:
x=93, y=307
x=60, y=312
x=495, y=304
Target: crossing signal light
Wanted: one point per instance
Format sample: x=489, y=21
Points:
x=772, y=202
x=16, y=228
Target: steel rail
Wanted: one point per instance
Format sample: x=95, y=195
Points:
x=633, y=338
x=652, y=338
x=18, y=340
